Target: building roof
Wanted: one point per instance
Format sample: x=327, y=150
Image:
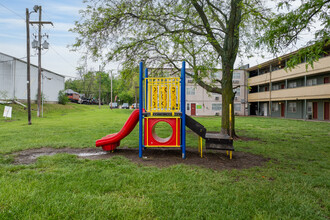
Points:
x=278, y=59
x=15, y=58
x=70, y=91
x=275, y=60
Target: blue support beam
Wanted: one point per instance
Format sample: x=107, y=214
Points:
x=141, y=110
x=183, y=109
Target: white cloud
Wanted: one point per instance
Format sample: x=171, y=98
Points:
x=12, y=22
x=60, y=26
x=64, y=9
x=58, y=59
x=18, y=37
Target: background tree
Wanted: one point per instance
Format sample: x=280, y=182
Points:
x=286, y=28
x=123, y=86
x=205, y=33
x=128, y=82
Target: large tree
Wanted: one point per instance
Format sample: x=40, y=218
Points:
x=205, y=33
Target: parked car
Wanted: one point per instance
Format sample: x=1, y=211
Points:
x=125, y=106
x=95, y=101
x=135, y=106
x=114, y=105
x=84, y=100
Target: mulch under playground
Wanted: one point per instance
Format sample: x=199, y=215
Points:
x=217, y=160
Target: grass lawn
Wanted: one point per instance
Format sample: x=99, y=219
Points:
x=294, y=184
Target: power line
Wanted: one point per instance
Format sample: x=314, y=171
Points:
x=12, y=11
x=61, y=56
x=15, y=13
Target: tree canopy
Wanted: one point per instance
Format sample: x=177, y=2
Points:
x=205, y=33
x=286, y=28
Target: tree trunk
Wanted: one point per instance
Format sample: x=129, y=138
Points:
x=230, y=48
x=227, y=98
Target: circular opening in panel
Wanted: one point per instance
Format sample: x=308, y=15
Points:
x=162, y=131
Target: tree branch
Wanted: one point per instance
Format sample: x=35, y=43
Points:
x=216, y=17
x=210, y=36
x=218, y=9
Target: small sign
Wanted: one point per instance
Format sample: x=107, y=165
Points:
x=199, y=106
x=7, y=112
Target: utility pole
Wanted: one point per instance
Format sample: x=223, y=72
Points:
x=111, y=90
x=85, y=74
x=100, y=86
x=28, y=65
x=39, y=63
x=40, y=23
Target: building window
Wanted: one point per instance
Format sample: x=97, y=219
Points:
x=309, y=107
x=238, y=92
x=217, y=98
x=236, y=75
x=237, y=107
x=188, y=107
x=275, y=107
x=216, y=107
x=292, y=84
x=326, y=80
x=190, y=91
x=292, y=107
x=276, y=87
x=311, y=82
x=274, y=68
x=217, y=75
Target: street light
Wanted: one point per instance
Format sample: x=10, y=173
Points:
x=35, y=8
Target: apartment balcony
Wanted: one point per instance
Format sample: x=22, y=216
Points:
x=307, y=92
x=321, y=66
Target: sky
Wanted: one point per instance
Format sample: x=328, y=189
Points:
x=63, y=13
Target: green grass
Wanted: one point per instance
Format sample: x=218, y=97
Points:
x=294, y=184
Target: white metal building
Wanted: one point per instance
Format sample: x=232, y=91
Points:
x=13, y=78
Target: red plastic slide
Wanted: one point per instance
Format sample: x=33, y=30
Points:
x=111, y=141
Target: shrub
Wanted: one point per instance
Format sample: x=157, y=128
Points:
x=43, y=97
x=62, y=98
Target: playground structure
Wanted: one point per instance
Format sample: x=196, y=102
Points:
x=163, y=99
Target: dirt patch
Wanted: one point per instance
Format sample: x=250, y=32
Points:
x=244, y=138
x=217, y=160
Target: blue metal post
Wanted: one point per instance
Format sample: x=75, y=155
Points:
x=140, y=110
x=146, y=101
x=183, y=109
